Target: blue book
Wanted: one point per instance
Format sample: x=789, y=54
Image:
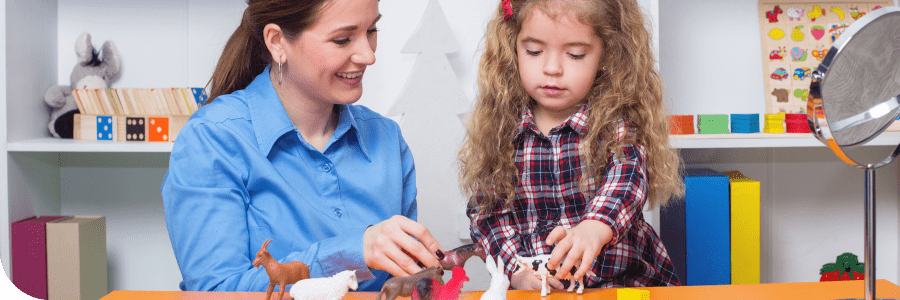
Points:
x=696, y=230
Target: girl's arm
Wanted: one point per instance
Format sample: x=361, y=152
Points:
x=497, y=234
x=622, y=192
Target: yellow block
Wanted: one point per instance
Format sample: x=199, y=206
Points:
x=774, y=123
x=632, y=294
x=745, y=224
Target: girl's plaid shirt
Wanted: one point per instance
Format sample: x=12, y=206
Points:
x=548, y=196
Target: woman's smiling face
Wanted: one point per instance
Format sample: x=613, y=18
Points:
x=327, y=61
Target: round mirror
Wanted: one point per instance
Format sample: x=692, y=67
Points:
x=854, y=91
x=853, y=97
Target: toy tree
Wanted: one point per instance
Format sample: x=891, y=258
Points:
x=431, y=104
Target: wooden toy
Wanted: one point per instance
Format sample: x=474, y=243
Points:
x=796, y=36
x=280, y=274
x=681, y=124
x=632, y=294
x=458, y=256
x=404, y=286
x=538, y=266
x=744, y=123
x=499, y=281
x=712, y=124
x=329, y=288
x=845, y=267
x=774, y=123
x=796, y=123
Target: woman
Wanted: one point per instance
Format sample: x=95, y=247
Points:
x=281, y=153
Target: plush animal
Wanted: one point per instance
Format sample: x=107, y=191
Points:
x=404, y=286
x=329, y=288
x=94, y=70
x=499, y=281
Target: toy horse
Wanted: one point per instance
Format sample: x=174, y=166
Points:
x=458, y=256
x=280, y=274
x=404, y=286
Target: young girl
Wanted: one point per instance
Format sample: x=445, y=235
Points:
x=568, y=141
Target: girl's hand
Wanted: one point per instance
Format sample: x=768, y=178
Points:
x=582, y=244
x=392, y=246
x=529, y=281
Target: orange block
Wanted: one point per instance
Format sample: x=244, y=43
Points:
x=681, y=124
x=158, y=129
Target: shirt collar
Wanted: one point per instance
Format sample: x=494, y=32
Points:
x=270, y=120
x=577, y=122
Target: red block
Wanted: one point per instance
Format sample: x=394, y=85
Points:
x=28, y=241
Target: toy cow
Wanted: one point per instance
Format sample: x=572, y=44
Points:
x=538, y=266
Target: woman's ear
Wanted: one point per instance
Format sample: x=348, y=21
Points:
x=275, y=42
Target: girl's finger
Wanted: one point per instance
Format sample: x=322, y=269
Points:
x=585, y=266
x=557, y=234
x=561, y=250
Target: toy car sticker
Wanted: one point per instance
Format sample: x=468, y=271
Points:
x=780, y=74
x=801, y=73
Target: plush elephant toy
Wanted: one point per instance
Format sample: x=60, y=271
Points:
x=91, y=72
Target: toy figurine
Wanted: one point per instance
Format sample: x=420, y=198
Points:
x=280, y=274
x=329, y=288
x=499, y=281
x=458, y=256
x=404, y=286
x=431, y=289
x=538, y=266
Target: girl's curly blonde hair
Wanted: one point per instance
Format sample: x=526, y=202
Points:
x=629, y=88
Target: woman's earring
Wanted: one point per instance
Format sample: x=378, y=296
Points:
x=280, y=73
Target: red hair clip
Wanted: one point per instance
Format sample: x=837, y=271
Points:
x=507, y=10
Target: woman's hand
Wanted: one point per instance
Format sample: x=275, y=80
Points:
x=529, y=281
x=392, y=246
x=582, y=244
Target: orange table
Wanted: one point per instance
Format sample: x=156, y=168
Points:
x=803, y=290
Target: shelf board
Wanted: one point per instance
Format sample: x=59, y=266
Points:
x=69, y=145
x=689, y=141
x=765, y=140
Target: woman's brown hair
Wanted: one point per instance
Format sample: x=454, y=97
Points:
x=629, y=88
x=245, y=54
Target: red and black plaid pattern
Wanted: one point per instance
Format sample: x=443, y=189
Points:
x=549, y=195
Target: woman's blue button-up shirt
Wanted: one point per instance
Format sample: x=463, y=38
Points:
x=240, y=173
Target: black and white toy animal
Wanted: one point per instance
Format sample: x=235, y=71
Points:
x=538, y=266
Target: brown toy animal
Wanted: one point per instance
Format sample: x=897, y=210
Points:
x=403, y=286
x=280, y=274
x=458, y=256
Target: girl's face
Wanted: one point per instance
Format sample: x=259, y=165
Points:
x=558, y=60
x=328, y=59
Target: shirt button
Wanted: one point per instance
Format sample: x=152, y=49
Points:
x=338, y=212
x=326, y=167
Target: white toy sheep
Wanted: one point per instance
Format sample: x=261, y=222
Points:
x=330, y=288
x=499, y=281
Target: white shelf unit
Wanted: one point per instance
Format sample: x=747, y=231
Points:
x=811, y=202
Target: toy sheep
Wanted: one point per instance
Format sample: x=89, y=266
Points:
x=330, y=288
x=499, y=281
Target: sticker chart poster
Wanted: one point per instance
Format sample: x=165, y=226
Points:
x=796, y=35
